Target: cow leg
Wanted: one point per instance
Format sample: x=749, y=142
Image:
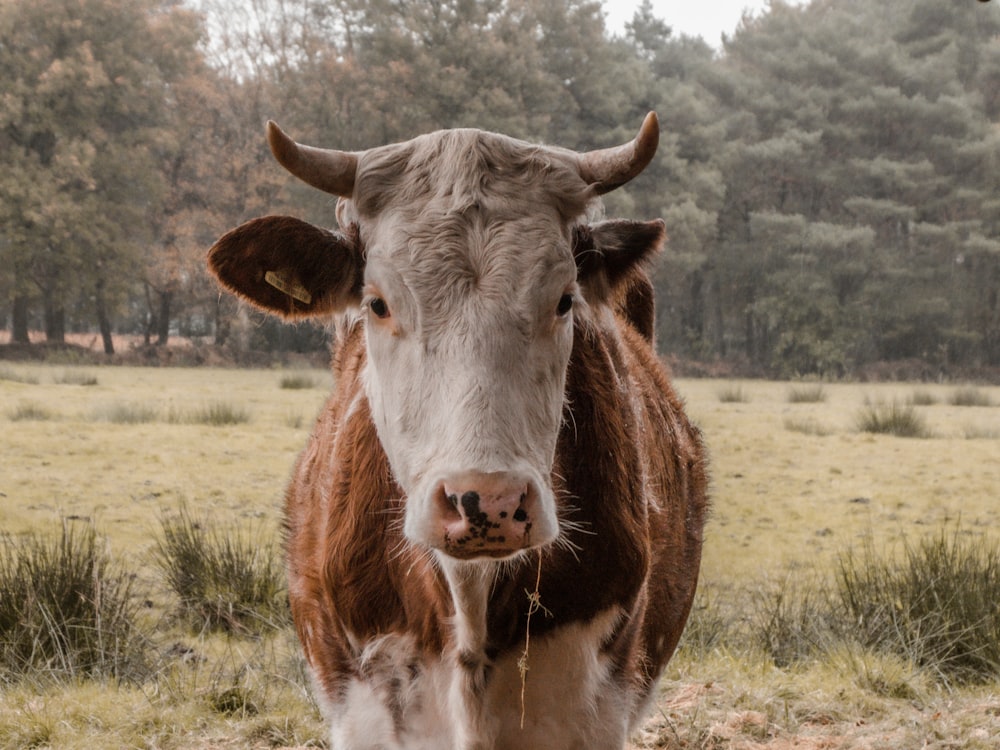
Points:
x=469, y=584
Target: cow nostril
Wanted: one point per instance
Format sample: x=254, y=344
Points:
x=453, y=499
x=520, y=515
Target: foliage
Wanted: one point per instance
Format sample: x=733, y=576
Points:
x=87, y=88
x=224, y=580
x=66, y=610
x=828, y=178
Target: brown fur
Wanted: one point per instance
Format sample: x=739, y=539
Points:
x=630, y=475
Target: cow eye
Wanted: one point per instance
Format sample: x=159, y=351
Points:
x=565, y=305
x=379, y=308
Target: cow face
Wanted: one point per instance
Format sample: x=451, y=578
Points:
x=458, y=254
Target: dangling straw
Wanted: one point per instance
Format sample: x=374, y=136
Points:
x=534, y=604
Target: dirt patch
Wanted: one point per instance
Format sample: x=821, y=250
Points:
x=705, y=716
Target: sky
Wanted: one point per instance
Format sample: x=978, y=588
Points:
x=708, y=19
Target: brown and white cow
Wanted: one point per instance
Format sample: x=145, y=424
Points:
x=495, y=531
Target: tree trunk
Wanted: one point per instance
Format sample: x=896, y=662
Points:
x=163, y=321
x=55, y=321
x=147, y=332
x=19, y=321
x=223, y=321
x=102, y=319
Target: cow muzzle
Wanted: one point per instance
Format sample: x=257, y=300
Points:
x=491, y=515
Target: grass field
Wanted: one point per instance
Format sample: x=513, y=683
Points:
x=796, y=483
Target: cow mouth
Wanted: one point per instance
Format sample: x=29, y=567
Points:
x=486, y=540
x=466, y=554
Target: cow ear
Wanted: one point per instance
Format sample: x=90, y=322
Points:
x=289, y=267
x=607, y=254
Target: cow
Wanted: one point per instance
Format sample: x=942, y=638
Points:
x=495, y=530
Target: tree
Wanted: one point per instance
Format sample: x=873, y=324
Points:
x=86, y=91
x=851, y=193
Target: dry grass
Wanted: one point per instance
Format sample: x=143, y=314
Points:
x=794, y=485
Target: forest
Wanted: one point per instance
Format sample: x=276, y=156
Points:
x=829, y=176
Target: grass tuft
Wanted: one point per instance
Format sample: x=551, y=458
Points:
x=29, y=411
x=734, y=394
x=235, y=700
x=297, y=382
x=72, y=377
x=978, y=432
x=922, y=398
x=125, y=413
x=970, y=396
x=66, y=611
x=784, y=625
x=895, y=622
x=807, y=426
x=225, y=581
x=812, y=393
x=936, y=606
x=13, y=376
x=894, y=418
x=219, y=414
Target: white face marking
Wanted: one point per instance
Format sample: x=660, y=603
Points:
x=469, y=337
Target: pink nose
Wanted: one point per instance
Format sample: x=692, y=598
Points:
x=486, y=514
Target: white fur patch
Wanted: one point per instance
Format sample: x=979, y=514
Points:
x=411, y=701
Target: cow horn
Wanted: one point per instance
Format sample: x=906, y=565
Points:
x=329, y=170
x=609, y=168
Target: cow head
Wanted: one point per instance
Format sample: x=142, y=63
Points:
x=467, y=258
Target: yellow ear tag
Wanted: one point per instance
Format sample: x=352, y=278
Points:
x=286, y=281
